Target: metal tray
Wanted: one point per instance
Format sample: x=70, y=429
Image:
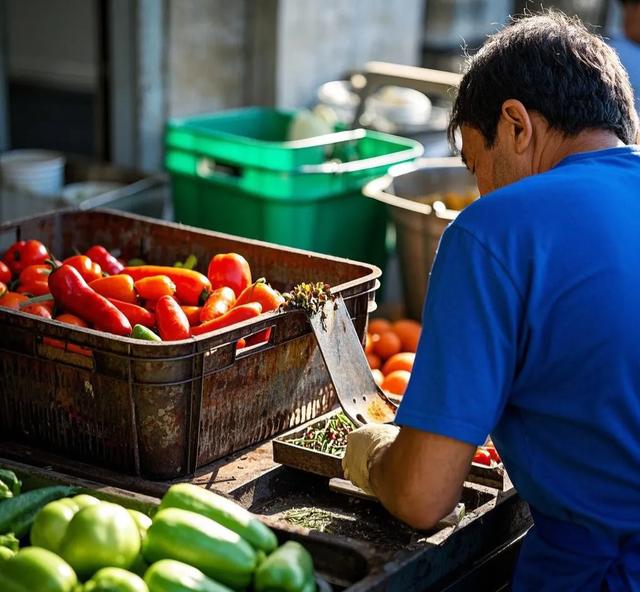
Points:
x=163, y=410
x=328, y=465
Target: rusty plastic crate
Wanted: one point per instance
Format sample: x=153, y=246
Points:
x=163, y=410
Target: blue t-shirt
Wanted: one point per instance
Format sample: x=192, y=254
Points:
x=532, y=333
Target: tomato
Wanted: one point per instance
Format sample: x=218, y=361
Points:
x=89, y=270
x=231, y=270
x=171, y=320
x=268, y=298
x=482, y=457
x=220, y=301
x=39, y=310
x=24, y=253
x=12, y=300
x=5, y=273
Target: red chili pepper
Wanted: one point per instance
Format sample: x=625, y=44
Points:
x=89, y=270
x=12, y=300
x=5, y=273
x=171, y=321
x=235, y=315
x=34, y=288
x=155, y=287
x=191, y=286
x=134, y=313
x=193, y=314
x=73, y=294
x=24, y=253
x=105, y=260
x=231, y=270
x=220, y=301
x=268, y=298
x=482, y=457
x=69, y=319
x=118, y=286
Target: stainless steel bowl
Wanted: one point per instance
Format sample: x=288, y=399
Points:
x=410, y=192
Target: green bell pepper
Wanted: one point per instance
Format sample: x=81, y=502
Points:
x=51, y=524
x=199, y=541
x=34, y=569
x=102, y=535
x=114, y=579
x=174, y=576
x=84, y=500
x=287, y=569
x=143, y=522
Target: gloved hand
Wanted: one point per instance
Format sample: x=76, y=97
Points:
x=363, y=445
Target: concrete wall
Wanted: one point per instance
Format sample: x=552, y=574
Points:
x=319, y=41
x=53, y=42
x=207, y=55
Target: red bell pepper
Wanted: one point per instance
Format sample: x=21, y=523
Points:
x=74, y=295
x=171, y=321
x=105, y=260
x=231, y=270
x=191, y=287
x=235, y=315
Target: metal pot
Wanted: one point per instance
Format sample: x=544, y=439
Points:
x=418, y=220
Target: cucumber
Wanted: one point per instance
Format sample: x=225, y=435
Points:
x=187, y=496
x=202, y=543
x=18, y=513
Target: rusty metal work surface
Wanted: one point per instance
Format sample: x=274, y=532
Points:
x=163, y=410
x=396, y=557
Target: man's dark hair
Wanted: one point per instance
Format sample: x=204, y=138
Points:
x=554, y=66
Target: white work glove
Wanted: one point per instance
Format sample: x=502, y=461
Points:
x=363, y=445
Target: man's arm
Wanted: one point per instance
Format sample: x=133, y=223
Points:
x=419, y=476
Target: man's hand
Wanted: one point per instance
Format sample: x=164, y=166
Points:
x=416, y=475
x=363, y=445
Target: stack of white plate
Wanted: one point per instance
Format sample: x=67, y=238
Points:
x=39, y=172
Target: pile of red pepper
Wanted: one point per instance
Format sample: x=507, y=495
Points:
x=150, y=302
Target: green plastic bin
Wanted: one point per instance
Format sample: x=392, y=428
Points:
x=235, y=172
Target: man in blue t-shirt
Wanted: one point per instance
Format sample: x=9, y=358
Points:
x=532, y=318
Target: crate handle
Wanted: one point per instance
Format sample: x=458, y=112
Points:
x=207, y=167
x=334, y=167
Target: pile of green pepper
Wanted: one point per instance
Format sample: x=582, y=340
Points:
x=197, y=541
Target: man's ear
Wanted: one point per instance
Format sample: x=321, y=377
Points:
x=516, y=125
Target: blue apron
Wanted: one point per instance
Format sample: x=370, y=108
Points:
x=559, y=556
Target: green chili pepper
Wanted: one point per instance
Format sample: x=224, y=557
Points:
x=142, y=332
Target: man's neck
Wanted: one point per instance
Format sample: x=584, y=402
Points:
x=586, y=141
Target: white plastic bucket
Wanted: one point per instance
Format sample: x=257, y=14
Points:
x=34, y=171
